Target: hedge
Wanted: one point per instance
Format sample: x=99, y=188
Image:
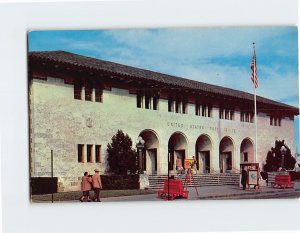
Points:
x=294, y=175
x=43, y=185
x=118, y=182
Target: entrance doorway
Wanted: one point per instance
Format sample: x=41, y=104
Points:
x=151, y=162
x=150, y=151
x=226, y=158
x=203, y=162
x=179, y=156
x=203, y=151
x=177, y=147
x=225, y=162
x=247, y=151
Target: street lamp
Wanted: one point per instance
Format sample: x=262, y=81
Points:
x=140, y=146
x=283, y=152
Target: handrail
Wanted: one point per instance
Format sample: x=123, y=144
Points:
x=235, y=170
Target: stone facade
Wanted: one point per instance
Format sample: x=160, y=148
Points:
x=59, y=122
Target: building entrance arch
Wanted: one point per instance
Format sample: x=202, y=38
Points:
x=247, y=150
x=226, y=150
x=150, y=151
x=203, y=153
x=177, y=147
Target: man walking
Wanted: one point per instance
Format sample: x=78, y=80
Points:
x=244, y=178
x=97, y=185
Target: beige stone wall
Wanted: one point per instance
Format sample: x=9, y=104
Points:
x=60, y=122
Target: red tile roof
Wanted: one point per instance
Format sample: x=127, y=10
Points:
x=93, y=64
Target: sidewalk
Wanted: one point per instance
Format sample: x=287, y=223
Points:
x=224, y=192
x=219, y=192
x=235, y=192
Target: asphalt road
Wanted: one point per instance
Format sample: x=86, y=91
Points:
x=227, y=192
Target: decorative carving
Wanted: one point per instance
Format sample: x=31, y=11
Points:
x=89, y=122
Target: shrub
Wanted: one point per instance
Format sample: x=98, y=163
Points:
x=117, y=182
x=274, y=158
x=294, y=175
x=121, y=155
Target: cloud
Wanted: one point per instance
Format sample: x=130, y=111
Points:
x=279, y=85
x=219, y=56
x=200, y=55
x=195, y=43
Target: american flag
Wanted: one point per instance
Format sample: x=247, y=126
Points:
x=254, y=71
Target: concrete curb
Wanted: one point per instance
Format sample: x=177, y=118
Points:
x=252, y=194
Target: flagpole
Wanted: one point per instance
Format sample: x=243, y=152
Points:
x=255, y=122
x=255, y=110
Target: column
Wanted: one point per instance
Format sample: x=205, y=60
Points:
x=162, y=159
x=173, y=106
x=93, y=95
x=215, y=112
x=191, y=109
x=190, y=152
x=84, y=154
x=180, y=107
x=93, y=154
x=200, y=109
x=82, y=93
x=237, y=157
x=215, y=160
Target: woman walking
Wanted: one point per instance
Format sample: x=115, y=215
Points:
x=86, y=186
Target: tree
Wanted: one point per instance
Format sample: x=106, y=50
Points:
x=270, y=162
x=121, y=155
x=289, y=160
x=274, y=158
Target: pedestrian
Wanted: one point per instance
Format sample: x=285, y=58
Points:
x=179, y=167
x=194, y=165
x=259, y=178
x=86, y=186
x=244, y=178
x=97, y=185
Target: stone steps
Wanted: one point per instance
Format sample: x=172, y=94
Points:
x=157, y=181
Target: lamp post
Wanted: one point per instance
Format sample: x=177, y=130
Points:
x=140, y=146
x=283, y=152
x=52, y=173
x=169, y=158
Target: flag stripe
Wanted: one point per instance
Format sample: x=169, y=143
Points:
x=254, y=77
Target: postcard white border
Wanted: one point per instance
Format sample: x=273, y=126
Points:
x=21, y=216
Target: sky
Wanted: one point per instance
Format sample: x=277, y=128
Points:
x=215, y=55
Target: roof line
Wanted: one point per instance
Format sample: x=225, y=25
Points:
x=120, y=69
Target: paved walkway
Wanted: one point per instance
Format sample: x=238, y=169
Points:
x=219, y=192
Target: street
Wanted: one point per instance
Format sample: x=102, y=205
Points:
x=219, y=193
